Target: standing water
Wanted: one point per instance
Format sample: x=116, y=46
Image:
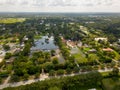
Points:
x=45, y=43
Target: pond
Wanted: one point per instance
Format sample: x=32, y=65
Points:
x=45, y=43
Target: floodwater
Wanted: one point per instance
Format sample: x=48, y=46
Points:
x=44, y=43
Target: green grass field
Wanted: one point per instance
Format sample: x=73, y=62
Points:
x=37, y=36
x=86, y=49
x=117, y=55
x=111, y=84
x=11, y=20
x=80, y=58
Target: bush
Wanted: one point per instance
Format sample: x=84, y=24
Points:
x=52, y=73
x=60, y=72
x=55, y=61
x=4, y=74
x=37, y=75
x=6, y=47
x=26, y=76
x=8, y=55
x=14, y=78
x=54, y=88
x=68, y=70
x=76, y=69
x=0, y=80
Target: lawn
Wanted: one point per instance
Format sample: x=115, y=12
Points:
x=79, y=55
x=92, y=57
x=111, y=84
x=11, y=20
x=37, y=36
x=80, y=58
x=105, y=73
x=86, y=49
x=117, y=56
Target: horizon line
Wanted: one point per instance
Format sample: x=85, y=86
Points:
x=54, y=12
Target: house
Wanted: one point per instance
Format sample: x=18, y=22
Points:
x=103, y=39
x=63, y=40
x=92, y=51
x=71, y=23
x=79, y=44
x=85, y=45
x=25, y=38
x=89, y=22
x=107, y=49
x=71, y=44
x=119, y=40
x=47, y=25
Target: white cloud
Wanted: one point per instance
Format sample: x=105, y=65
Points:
x=61, y=5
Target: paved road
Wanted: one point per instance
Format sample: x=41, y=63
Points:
x=75, y=50
x=8, y=78
x=43, y=77
x=61, y=58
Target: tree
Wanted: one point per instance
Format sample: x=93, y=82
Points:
x=32, y=69
x=47, y=56
x=76, y=69
x=37, y=75
x=20, y=37
x=26, y=50
x=115, y=71
x=14, y=78
x=18, y=71
x=116, y=87
x=68, y=70
x=55, y=61
x=48, y=66
x=54, y=88
x=41, y=60
x=60, y=72
x=53, y=52
x=26, y=76
x=6, y=47
x=0, y=80
x=8, y=55
x=52, y=73
x=92, y=57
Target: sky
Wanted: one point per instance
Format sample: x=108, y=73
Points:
x=59, y=5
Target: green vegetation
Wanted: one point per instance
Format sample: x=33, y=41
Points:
x=6, y=47
x=78, y=48
x=80, y=58
x=80, y=82
x=37, y=36
x=11, y=20
x=111, y=83
x=86, y=49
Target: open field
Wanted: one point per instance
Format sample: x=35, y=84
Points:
x=111, y=84
x=37, y=36
x=11, y=20
x=80, y=58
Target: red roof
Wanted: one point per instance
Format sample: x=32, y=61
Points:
x=107, y=49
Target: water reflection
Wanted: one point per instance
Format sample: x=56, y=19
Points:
x=44, y=43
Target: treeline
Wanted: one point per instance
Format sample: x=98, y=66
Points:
x=55, y=26
x=80, y=82
x=64, y=50
x=110, y=27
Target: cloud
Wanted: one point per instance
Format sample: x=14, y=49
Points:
x=54, y=5
x=58, y=2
